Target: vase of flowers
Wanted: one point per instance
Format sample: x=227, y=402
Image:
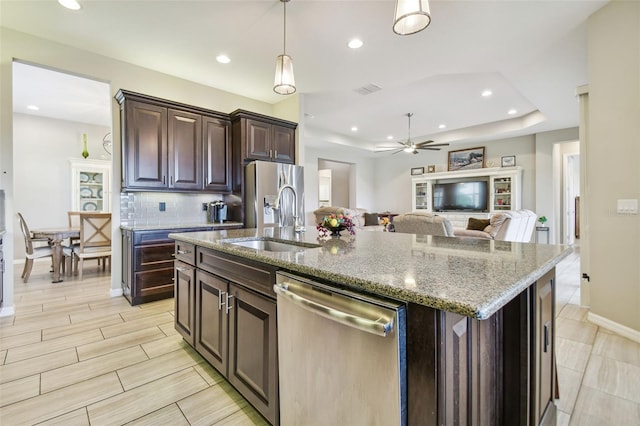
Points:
x=542, y=220
x=334, y=224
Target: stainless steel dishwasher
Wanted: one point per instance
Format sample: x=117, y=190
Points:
x=342, y=357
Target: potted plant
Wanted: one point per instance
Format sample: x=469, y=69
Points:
x=542, y=220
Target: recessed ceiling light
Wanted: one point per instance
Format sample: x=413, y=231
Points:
x=33, y=108
x=442, y=126
x=70, y=4
x=512, y=111
x=355, y=43
x=223, y=59
x=354, y=128
x=390, y=137
x=487, y=93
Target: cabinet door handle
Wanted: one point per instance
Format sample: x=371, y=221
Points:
x=229, y=305
x=275, y=154
x=270, y=153
x=546, y=336
x=220, y=301
x=164, y=180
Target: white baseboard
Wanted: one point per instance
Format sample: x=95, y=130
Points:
x=620, y=329
x=7, y=311
x=115, y=292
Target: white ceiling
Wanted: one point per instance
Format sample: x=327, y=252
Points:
x=531, y=54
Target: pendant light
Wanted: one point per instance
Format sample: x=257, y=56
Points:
x=284, y=83
x=411, y=16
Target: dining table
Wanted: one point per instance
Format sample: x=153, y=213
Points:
x=56, y=235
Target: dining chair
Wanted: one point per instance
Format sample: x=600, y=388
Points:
x=95, y=240
x=32, y=251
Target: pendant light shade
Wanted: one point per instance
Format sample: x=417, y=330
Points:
x=411, y=16
x=284, y=82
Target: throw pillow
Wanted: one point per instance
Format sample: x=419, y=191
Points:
x=371, y=219
x=477, y=224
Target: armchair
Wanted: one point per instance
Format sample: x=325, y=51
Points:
x=508, y=225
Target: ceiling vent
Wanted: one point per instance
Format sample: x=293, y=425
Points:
x=368, y=89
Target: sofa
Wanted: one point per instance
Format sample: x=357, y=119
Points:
x=508, y=225
x=359, y=217
x=423, y=223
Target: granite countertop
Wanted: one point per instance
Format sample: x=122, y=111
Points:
x=137, y=226
x=471, y=277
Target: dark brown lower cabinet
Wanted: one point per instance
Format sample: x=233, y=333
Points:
x=498, y=371
x=231, y=322
x=212, y=319
x=185, y=280
x=253, y=350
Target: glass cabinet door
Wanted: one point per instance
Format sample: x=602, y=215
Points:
x=90, y=185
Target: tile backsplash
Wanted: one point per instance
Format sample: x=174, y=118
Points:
x=143, y=208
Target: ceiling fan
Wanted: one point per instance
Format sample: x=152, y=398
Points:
x=412, y=147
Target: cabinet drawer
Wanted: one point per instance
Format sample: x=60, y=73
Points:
x=185, y=252
x=155, y=284
x=151, y=237
x=256, y=276
x=153, y=257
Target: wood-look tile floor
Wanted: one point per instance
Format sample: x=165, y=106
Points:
x=73, y=355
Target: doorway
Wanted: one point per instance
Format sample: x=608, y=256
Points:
x=336, y=182
x=54, y=112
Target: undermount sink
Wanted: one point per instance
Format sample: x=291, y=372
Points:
x=272, y=245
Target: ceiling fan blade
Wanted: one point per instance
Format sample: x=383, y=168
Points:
x=430, y=142
x=428, y=148
x=397, y=151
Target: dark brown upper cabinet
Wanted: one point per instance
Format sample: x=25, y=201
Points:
x=168, y=146
x=260, y=137
x=217, y=154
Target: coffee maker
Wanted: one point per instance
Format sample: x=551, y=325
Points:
x=216, y=212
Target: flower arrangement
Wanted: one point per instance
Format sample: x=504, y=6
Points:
x=334, y=223
x=542, y=220
x=385, y=222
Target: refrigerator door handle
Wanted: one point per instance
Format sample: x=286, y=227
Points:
x=379, y=326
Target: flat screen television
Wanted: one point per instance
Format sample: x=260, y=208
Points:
x=460, y=196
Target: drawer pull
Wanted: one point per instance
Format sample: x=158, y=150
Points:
x=184, y=251
x=182, y=268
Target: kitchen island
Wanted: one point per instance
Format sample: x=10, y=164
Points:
x=480, y=320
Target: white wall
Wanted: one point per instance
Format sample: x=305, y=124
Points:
x=42, y=149
x=393, y=172
x=613, y=154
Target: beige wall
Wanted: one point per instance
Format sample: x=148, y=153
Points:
x=26, y=48
x=613, y=161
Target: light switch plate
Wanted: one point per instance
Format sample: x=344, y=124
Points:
x=629, y=206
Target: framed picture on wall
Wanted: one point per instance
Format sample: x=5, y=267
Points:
x=417, y=171
x=466, y=159
x=508, y=161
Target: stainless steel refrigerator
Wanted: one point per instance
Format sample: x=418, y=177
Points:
x=263, y=181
